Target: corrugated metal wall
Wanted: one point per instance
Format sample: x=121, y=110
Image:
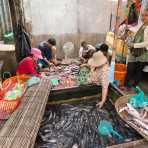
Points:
x=5, y=18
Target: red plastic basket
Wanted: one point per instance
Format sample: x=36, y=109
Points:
x=4, y=115
x=14, y=79
x=10, y=105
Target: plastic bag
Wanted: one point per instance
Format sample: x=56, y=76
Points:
x=105, y=129
x=32, y=81
x=139, y=100
x=54, y=81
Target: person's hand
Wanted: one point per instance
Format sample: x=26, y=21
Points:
x=45, y=70
x=130, y=45
x=83, y=60
x=51, y=64
x=100, y=104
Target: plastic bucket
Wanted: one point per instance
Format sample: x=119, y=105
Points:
x=120, y=73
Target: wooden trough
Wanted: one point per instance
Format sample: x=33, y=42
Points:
x=64, y=96
x=83, y=91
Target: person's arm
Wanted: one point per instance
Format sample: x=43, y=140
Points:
x=104, y=96
x=54, y=53
x=145, y=43
x=32, y=69
x=80, y=52
x=90, y=47
x=44, y=65
x=105, y=84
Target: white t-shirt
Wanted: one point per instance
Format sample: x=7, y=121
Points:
x=90, y=47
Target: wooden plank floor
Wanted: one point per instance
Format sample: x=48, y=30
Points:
x=21, y=129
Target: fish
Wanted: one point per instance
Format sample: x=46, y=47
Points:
x=75, y=126
x=75, y=146
x=52, y=141
x=132, y=111
x=69, y=134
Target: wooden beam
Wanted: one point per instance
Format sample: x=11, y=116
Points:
x=13, y=15
x=16, y=17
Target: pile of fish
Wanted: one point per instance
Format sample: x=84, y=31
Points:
x=64, y=70
x=75, y=126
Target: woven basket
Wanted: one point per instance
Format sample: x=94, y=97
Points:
x=10, y=105
x=120, y=103
x=14, y=79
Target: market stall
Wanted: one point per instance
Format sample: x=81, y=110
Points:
x=76, y=119
x=62, y=109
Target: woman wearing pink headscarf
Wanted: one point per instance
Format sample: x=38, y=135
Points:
x=29, y=64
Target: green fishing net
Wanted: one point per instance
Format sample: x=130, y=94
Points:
x=83, y=76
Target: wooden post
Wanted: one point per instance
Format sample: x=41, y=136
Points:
x=14, y=22
x=112, y=65
x=16, y=9
x=13, y=16
x=116, y=29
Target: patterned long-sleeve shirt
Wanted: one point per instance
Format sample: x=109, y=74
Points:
x=100, y=76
